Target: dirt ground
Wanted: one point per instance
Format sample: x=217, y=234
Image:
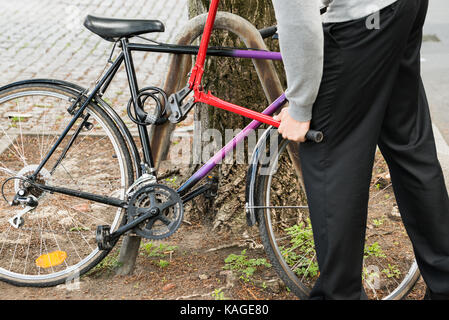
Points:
x=194, y=270
x=190, y=265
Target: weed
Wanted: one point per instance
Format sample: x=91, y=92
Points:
x=301, y=251
x=79, y=229
x=151, y=250
x=108, y=264
x=392, y=271
x=15, y=120
x=245, y=266
x=373, y=250
x=218, y=295
x=163, y=263
x=172, y=182
x=377, y=222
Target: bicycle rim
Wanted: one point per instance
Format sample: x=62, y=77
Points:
x=56, y=241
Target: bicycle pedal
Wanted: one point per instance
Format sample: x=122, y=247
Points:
x=103, y=237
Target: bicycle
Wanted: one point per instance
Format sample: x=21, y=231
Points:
x=49, y=163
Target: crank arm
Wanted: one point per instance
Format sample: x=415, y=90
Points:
x=123, y=229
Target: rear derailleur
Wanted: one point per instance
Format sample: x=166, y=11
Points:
x=28, y=202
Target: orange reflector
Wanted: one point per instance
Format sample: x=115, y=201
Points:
x=51, y=259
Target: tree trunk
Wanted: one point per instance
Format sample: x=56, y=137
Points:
x=236, y=81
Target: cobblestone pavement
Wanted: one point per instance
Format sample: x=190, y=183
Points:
x=47, y=39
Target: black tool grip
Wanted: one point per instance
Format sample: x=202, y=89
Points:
x=314, y=136
x=268, y=32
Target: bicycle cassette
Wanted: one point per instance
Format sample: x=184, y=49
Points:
x=164, y=208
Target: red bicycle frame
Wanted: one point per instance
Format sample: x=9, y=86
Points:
x=198, y=71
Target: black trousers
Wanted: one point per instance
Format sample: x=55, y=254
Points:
x=372, y=94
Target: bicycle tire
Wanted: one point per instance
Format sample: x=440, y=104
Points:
x=103, y=141
x=300, y=287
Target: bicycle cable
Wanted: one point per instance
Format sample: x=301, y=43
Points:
x=159, y=97
x=18, y=178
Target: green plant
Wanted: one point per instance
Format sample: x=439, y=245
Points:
x=151, y=250
x=16, y=119
x=163, y=263
x=108, y=264
x=300, y=252
x=245, y=266
x=378, y=222
x=171, y=181
x=373, y=250
x=218, y=295
x=45, y=106
x=79, y=229
x=392, y=271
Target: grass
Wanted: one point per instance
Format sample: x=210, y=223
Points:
x=218, y=295
x=162, y=250
x=152, y=250
x=392, y=271
x=373, y=250
x=301, y=250
x=107, y=265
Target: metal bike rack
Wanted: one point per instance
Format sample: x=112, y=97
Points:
x=179, y=67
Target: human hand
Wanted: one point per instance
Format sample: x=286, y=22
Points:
x=290, y=128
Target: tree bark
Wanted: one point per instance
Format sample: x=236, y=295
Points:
x=236, y=81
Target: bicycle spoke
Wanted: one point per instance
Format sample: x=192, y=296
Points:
x=16, y=153
x=288, y=237
x=60, y=232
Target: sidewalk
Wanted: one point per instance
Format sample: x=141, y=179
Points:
x=435, y=73
x=47, y=39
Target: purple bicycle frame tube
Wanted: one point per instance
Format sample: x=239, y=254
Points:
x=220, y=155
x=257, y=54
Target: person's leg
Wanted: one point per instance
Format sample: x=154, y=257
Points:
x=408, y=145
x=360, y=71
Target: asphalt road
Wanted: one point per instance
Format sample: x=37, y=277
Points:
x=435, y=64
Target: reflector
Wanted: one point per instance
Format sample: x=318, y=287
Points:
x=51, y=259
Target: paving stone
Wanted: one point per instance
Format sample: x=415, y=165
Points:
x=47, y=39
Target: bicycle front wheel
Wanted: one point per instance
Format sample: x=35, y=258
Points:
x=56, y=241
x=389, y=268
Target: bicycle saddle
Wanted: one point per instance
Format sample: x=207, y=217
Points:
x=112, y=29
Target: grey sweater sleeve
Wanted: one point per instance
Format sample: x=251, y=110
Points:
x=301, y=42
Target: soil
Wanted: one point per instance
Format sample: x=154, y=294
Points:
x=192, y=268
x=195, y=270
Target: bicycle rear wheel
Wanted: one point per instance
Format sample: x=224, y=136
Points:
x=56, y=241
x=389, y=270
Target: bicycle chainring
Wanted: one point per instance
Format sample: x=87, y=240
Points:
x=165, y=206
